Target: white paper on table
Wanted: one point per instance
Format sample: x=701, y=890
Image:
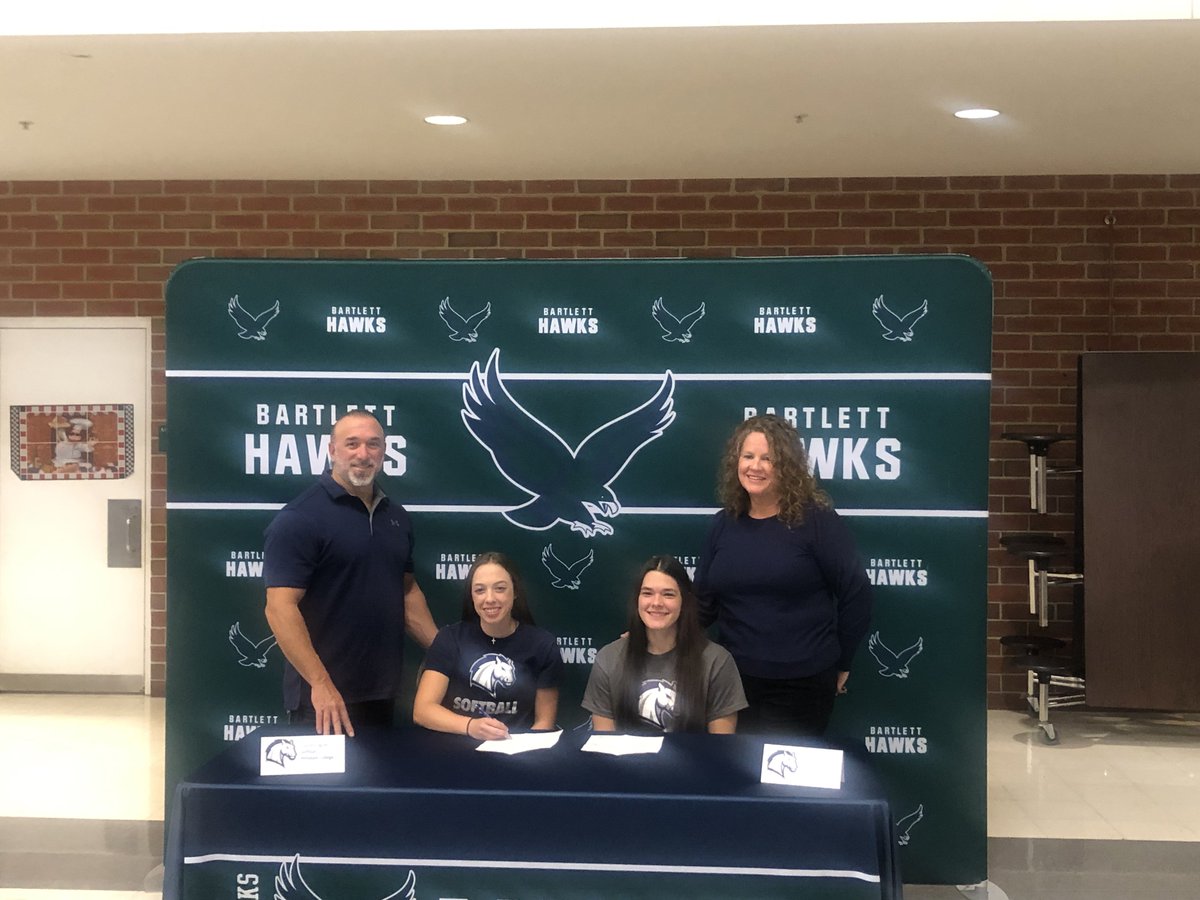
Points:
x=622, y=744
x=302, y=754
x=801, y=766
x=520, y=743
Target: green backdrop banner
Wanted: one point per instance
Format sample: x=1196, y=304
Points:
x=487, y=375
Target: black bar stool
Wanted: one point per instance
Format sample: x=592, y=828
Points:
x=1039, y=466
x=1039, y=551
x=1045, y=672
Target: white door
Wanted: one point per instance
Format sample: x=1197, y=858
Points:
x=69, y=618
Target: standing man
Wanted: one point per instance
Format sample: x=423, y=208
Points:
x=340, y=588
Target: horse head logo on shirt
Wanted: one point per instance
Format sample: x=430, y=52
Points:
x=492, y=671
x=656, y=703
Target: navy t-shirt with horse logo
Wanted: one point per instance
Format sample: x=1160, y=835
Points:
x=498, y=679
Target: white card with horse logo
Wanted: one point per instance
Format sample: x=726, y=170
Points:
x=302, y=754
x=801, y=766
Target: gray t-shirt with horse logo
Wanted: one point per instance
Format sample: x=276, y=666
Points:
x=656, y=697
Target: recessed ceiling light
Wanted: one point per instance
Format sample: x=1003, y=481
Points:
x=977, y=113
x=446, y=120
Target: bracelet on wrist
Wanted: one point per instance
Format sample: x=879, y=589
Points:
x=468, y=731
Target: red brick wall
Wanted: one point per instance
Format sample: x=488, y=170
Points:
x=1081, y=262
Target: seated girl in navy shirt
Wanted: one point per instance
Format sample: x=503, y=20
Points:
x=494, y=671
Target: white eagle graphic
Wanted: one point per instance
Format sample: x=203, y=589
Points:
x=463, y=329
x=893, y=665
x=905, y=825
x=252, y=655
x=676, y=328
x=898, y=328
x=290, y=884
x=251, y=328
x=565, y=576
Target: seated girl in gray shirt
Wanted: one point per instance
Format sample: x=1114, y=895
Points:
x=665, y=675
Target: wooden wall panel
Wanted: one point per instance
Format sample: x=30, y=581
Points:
x=1141, y=508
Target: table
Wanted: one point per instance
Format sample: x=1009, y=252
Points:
x=422, y=815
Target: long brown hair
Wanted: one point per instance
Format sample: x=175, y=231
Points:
x=691, y=689
x=797, y=486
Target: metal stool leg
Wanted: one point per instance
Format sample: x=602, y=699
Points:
x=1044, y=711
x=1037, y=482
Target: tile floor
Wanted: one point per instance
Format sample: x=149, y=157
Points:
x=1110, y=813
x=1111, y=777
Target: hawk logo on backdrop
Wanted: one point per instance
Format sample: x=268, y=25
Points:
x=463, y=329
x=905, y=825
x=676, y=328
x=569, y=486
x=893, y=665
x=781, y=762
x=251, y=655
x=656, y=702
x=251, y=328
x=493, y=671
x=565, y=576
x=898, y=328
x=290, y=884
x=280, y=752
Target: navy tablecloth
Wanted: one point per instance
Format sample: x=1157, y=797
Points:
x=549, y=823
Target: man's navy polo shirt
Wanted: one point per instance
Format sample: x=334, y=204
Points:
x=351, y=565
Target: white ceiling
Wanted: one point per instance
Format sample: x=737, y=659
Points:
x=633, y=103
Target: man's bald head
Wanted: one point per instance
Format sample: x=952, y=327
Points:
x=356, y=445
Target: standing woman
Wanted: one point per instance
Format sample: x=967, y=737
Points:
x=664, y=675
x=494, y=671
x=780, y=575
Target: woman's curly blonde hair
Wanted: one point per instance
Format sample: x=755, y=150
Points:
x=797, y=486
